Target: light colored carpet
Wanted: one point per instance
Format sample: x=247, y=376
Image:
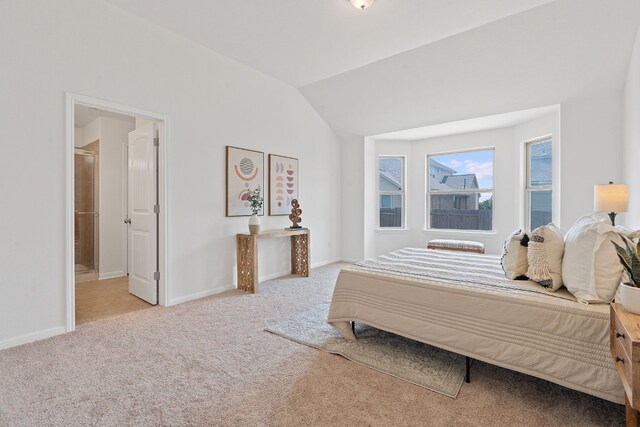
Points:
x=420, y=364
x=210, y=363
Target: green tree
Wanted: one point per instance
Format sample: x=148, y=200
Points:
x=486, y=204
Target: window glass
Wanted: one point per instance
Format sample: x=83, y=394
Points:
x=391, y=211
x=540, y=213
x=460, y=190
x=538, y=197
x=540, y=164
x=391, y=192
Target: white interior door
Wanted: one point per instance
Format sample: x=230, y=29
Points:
x=142, y=215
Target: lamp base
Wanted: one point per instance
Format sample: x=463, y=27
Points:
x=612, y=215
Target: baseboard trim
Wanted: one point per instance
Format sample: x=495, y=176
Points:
x=203, y=294
x=323, y=263
x=31, y=337
x=220, y=289
x=350, y=260
x=272, y=276
x=110, y=275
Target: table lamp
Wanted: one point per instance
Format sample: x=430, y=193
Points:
x=611, y=198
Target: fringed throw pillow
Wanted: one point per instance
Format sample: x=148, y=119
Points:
x=514, y=255
x=546, y=248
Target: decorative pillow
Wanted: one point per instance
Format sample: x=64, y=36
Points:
x=514, y=255
x=591, y=269
x=546, y=247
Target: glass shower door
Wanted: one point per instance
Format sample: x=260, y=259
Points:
x=86, y=211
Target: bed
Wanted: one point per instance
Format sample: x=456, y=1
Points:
x=462, y=302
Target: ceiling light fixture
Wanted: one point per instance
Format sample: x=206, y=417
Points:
x=361, y=4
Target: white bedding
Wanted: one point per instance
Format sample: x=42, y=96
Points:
x=463, y=302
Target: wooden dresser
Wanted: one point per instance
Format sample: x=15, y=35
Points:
x=625, y=350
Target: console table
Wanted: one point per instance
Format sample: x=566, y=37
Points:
x=247, y=255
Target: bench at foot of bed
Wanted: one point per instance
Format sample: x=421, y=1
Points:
x=456, y=245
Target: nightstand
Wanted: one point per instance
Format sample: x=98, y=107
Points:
x=625, y=350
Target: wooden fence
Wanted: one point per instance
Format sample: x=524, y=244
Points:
x=390, y=217
x=457, y=219
x=539, y=218
x=461, y=219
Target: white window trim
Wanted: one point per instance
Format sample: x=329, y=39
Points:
x=528, y=189
x=427, y=213
x=402, y=193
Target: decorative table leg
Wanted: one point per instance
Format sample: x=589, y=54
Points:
x=300, y=254
x=247, y=256
x=631, y=414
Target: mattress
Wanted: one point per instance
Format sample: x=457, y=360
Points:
x=462, y=302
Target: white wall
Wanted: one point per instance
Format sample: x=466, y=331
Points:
x=92, y=48
x=88, y=133
x=631, y=120
x=591, y=151
x=352, y=198
x=77, y=137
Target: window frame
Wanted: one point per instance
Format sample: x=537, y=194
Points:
x=528, y=188
x=429, y=193
x=401, y=193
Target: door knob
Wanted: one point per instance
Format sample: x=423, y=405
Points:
x=127, y=220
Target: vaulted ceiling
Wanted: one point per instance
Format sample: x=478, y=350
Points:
x=303, y=41
x=408, y=63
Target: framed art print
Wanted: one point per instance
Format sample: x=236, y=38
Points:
x=245, y=172
x=283, y=183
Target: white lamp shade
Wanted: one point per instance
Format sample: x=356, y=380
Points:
x=610, y=198
x=361, y=4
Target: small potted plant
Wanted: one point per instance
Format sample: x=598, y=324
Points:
x=630, y=291
x=255, y=204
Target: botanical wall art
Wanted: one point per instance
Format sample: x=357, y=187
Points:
x=283, y=183
x=245, y=173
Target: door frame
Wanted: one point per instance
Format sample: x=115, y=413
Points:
x=73, y=99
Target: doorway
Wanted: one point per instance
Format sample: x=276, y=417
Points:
x=116, y=222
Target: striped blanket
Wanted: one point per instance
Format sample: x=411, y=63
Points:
x=482, y=272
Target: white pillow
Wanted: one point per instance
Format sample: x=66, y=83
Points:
x=514, y=255
x=591, y=269
x=546, y=247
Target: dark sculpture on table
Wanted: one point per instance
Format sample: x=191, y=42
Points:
x=295, y=214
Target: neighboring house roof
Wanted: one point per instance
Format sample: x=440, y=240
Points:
x=461, y=181
x=391, y=178
x=441, y=166
x=393, y=167
x=434, y=184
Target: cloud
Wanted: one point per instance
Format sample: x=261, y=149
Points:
x=454, y=164
x=483, y=170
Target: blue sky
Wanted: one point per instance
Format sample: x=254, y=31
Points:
x=478, y=162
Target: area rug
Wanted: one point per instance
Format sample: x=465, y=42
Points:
x=420, y=364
